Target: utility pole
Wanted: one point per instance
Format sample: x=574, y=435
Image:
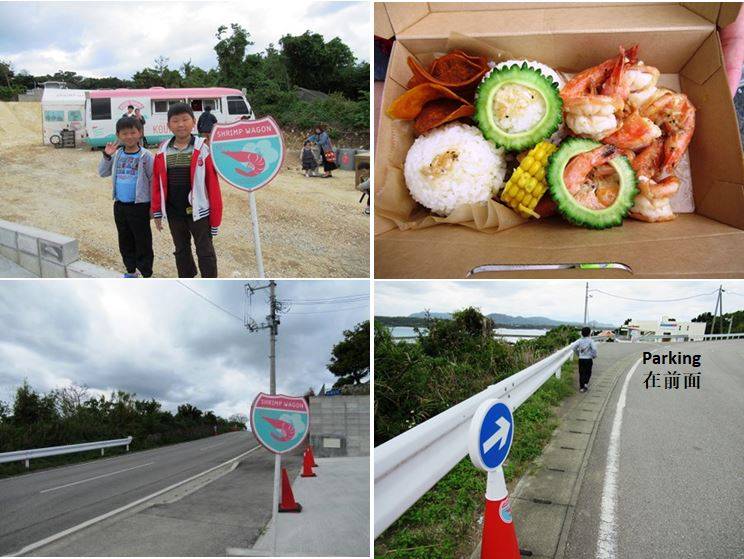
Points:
x=272, y=324
x=586, y=301
x=718, y=311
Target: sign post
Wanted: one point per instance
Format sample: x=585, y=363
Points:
x=489, y=440
x=248, y=154
x=280, y=424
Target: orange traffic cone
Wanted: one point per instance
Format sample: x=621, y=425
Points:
x=499, y=538
x=307, y=465
x=312, y=456
x=288, y=503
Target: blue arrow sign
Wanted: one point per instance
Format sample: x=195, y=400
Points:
x=491, y=434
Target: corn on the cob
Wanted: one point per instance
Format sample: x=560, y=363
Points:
x=527, y=184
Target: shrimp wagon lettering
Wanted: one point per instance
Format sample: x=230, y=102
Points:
x=596, y=147
x=279, y=423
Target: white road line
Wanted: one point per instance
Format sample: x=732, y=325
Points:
x=92, y=521
x=96, y=477
x=607, y=537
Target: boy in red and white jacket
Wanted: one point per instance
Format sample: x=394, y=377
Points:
x=186, y=191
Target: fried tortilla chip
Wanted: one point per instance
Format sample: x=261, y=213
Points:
x=456, y=71
x=440, y=111
x=409, y=105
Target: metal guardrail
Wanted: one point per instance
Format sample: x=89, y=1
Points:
x=408, y=465
x=26, y=455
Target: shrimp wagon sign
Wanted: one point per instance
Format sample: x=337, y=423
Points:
x=279, y=423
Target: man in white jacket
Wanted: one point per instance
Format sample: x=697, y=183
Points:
x=586, y=350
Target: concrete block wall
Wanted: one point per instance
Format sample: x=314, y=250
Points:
x=45, y=254
x=339, y=425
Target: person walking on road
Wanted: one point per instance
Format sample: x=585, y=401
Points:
x=586, y=350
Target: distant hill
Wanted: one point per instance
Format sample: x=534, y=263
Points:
x=501, y=320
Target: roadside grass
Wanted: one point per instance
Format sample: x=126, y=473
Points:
x=441, y=524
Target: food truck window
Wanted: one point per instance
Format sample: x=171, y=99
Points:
x=211, y=103
x=74, y=115
x=196, y=105
x=172, y=102
x=54, y=116
x=160, y=106
x=100, y=109
x=236, y=105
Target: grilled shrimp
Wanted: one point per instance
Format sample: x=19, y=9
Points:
x=654, y=201
x=584, y=186
x=636, y=132
x=588, y=82
x=594, y=98
x=592, y=116
x=640, y=80
x=675, y=115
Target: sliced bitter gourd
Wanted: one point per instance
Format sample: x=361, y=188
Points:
x=517, y=107
x=569, y=207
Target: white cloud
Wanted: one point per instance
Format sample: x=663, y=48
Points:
x=117, y=38
x=557, y=299
x=159, y=340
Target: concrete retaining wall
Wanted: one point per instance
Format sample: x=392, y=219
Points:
x=46, y=254
x=339, y=425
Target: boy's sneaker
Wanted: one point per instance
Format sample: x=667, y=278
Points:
x=132, y=275
x=582, y=389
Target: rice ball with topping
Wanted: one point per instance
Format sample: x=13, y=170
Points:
x=451, y=166
x=538, y=108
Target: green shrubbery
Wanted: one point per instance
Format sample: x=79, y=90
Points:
x=70, y=416
x=452, y=361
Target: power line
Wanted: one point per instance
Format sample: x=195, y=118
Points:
x=341, y=309
x=329, y=300
x=215, y=305
x=653, y=300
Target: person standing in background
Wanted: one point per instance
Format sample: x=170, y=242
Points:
x=205, y=123
x=321, y=138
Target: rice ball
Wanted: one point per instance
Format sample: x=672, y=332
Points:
x=546, y=71
x=453, y=165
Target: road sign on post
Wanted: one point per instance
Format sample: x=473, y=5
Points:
x=280, y=423
x=248, y=154
x=489, y=440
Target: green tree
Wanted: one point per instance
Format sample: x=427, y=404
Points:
x=350, y=357
x=230, y=51
x=31, y=408
x=189, y=412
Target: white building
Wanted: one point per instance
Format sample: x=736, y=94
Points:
x=667, y=326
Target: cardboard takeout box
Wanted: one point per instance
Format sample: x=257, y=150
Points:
x=677, y=38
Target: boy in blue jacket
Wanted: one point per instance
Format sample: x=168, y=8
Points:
x=130, y=166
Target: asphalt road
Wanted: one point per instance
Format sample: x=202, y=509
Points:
x=680, y=476
x=41, y=504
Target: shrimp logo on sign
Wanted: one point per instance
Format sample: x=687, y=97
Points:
x=279, y=423
x=249, y=153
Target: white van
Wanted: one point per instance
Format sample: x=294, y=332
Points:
x=103, y=107
x=60, y=109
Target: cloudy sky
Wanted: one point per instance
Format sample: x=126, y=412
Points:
x=160, y=340
x=560, y=300
x=100, y=39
